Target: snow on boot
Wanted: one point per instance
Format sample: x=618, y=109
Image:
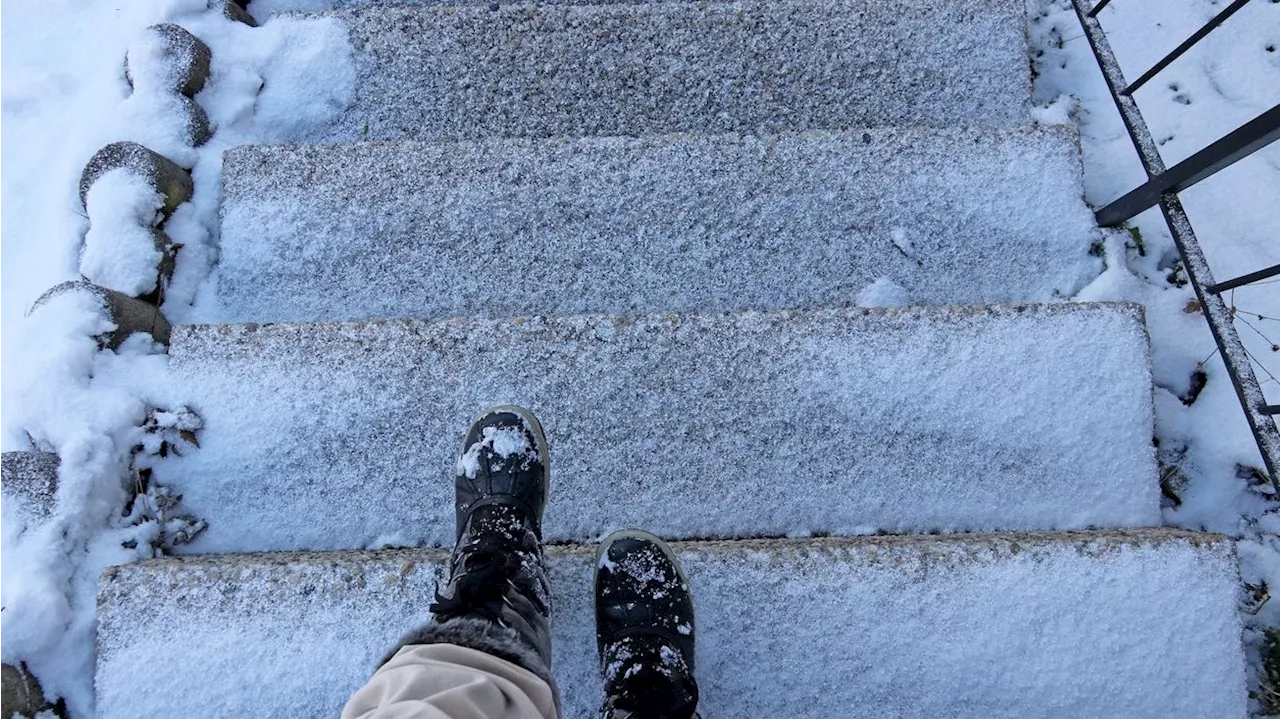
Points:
x=496, y=599
x=504, y=461
x=644, y=629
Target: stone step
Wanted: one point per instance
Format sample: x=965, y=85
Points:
x=539, y=70
x=29, y=484
x=1098, y=624
x=675, y=223
x=710, y=426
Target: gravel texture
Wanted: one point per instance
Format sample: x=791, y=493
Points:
x=1140, y=625
x=673, y=223
x=472, y=71
x=341, y=436
x=30, y=482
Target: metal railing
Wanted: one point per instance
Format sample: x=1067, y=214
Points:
x=1161, y=189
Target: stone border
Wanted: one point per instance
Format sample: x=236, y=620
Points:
x=237, y=10
x=22, y=694
x=184, y=65
x=172, y=182
x=129, y=314
x=191, y=54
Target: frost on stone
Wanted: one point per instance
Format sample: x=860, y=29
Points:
x=160, y=171
x=121, y=251
x=167, y=58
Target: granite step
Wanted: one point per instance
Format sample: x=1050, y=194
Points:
x=483, y=70
x=674, y=223
x=1140, y=624
x=29, y=485
x=709, y=425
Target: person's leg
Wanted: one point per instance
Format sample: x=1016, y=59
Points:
x=487, y=655
x=644, y=629
x=449, y=681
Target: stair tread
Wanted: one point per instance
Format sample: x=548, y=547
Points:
x=1052, y=625
x=465, y=71
x=30, y=485
x=342, y=435
x=675, y=223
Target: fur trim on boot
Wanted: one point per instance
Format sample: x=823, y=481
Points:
x=483, y=636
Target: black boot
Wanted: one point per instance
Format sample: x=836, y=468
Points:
x=644, y=629
x=497, y=599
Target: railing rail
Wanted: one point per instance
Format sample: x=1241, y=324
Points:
x=1236, y=145
x=1161, y=189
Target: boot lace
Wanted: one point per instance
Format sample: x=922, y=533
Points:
x=485, y=569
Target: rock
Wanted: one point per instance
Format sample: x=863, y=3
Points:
x=198, y=129
x=884, y=434
x=19, y=692
x=154, y=293
x=686, y=222
x=30, y=478
x=182, y=66
x=237, y=10
x=123, y=249
x=164, y=174
x=129, y=314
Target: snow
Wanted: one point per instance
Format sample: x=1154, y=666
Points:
x=1058, y=112
x=120, y=250
x=1140, y=625
x=84, y=404
x=64, y=97
x=884, y=292
x=501, y=441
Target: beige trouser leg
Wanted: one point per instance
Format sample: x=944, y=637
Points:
x=446, y=681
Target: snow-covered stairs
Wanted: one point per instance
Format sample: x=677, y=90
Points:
x=719, y=183
x=1139, y=625
x=674, y=223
